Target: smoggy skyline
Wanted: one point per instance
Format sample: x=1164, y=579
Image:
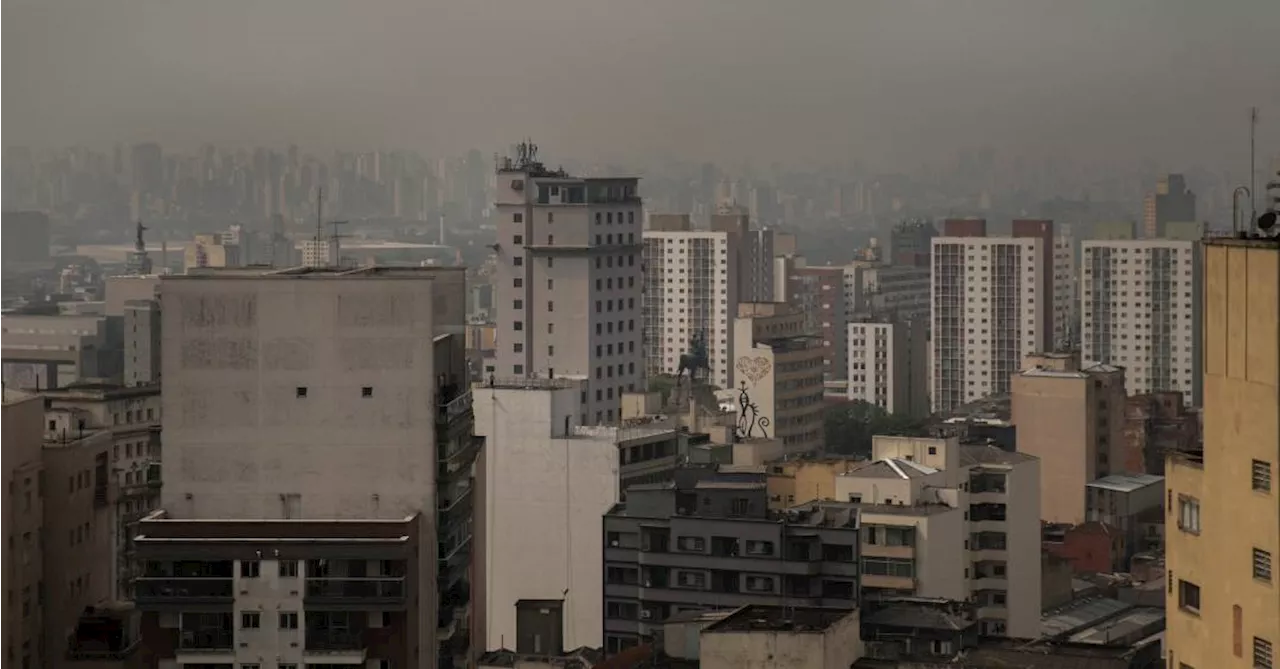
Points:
x=892, y=84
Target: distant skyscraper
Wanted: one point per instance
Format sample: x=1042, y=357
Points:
x=1141, y=311
x=147, y=165
x=568, y=280
x=985, y=314
x=1172, y=202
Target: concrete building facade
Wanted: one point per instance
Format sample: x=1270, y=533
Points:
x=926, y=501
x=990, y=307
x=819, y=293
x=690, y=291
x=23, y=509
x=779, y=374
x=708, y=541
x=1172, y=202
x=1222, y=505
x=544, y=481
x=1141, y=311
x=311, y=407
x=568, y=281
x=1073, y=420
x=888, y=365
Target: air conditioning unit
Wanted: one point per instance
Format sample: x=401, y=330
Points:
x=646, y=615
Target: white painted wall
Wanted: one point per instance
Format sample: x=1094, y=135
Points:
x=544, y=496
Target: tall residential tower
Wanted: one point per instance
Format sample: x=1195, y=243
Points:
x=568, y=280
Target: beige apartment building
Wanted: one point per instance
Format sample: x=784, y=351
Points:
x=1072, y=418
x=1222, y=505
x=23, y=523
x=78, y=507
x=131, y=417
x=792, y=482
x=924, y=502
x=778, y=369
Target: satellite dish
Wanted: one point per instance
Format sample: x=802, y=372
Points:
x=1267, y=220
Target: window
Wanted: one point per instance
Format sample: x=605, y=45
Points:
x=247, y=665
x=288, y=620
x=759, y=584
x=517, y=369
x=692, y=579
x=250, y=568
x=250, y=620
x=1261, y=476
x=1263, y=654
x=517, y=218
x=288, y=569
x=300, y=392
x=517, y=304
x=517, y=261
x=1261, y=565
x=697, y=544
x=1188, y=596
x=518, y=326
x=366, y=391
x=1189, y=514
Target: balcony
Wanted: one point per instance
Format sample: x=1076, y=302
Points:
x=161, y=590
x=80, y=651
x=348, y=593
x=888, y=582
x=203, y=647
x=881, y=550
x=451, y=410
x=329, y=646
x=451, y=550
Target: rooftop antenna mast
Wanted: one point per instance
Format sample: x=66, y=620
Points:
x=1253, y=168
x=319, y=214
x=336, y=240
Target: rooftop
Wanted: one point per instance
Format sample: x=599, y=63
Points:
x=892, y=468
x=886, y=509
x=1126, y=482
x=925, y=615
x=799, y=620
x=315, y=273
x=1270, y=243
x=986, y=454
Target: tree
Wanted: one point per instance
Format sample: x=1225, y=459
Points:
x=849, y=427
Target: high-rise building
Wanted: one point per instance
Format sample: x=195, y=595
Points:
x=910, y=243
x=568, y=280
x=819, y=293
x=1072, y=418
x=988, y=296
x=1140, y=310
x=690, y=292
x=1172, y=202
x=1066, y=296
x=24, y=522
x=888, y=365
x=755, y=253
x=320, y=505
x=1223, y=504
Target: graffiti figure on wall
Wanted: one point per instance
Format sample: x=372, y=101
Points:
x=749, y=418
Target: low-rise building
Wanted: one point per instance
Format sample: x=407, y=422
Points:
x=1131, y=503
x=925, y=501
x=1157, y=425
x=770, y=637
x=707, y=540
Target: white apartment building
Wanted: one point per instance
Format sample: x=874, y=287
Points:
x=543, y=484
x=1066, y=296
x=691, y=290
x=319, y=253
x=1140, y=310
x=888, y=365
x=568, y=279
x=985, y=314
x=926, y=501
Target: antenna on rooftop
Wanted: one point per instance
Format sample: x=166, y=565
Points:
x=319, y=214
x=336, y=240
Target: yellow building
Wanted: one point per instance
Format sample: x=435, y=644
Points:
x=793, y=482
x=1223, y=506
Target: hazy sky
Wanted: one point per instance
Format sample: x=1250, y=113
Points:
x=892, y=82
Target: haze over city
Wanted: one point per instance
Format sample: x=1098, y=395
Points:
x=890, y=84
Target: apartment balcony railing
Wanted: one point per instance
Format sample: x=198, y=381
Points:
x=355, y=591
x=451, y=549
x=334, y=641
x=220, y=641
x=173, y=590
x=447, y=412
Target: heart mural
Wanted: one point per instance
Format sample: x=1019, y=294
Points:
x=754, y=368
